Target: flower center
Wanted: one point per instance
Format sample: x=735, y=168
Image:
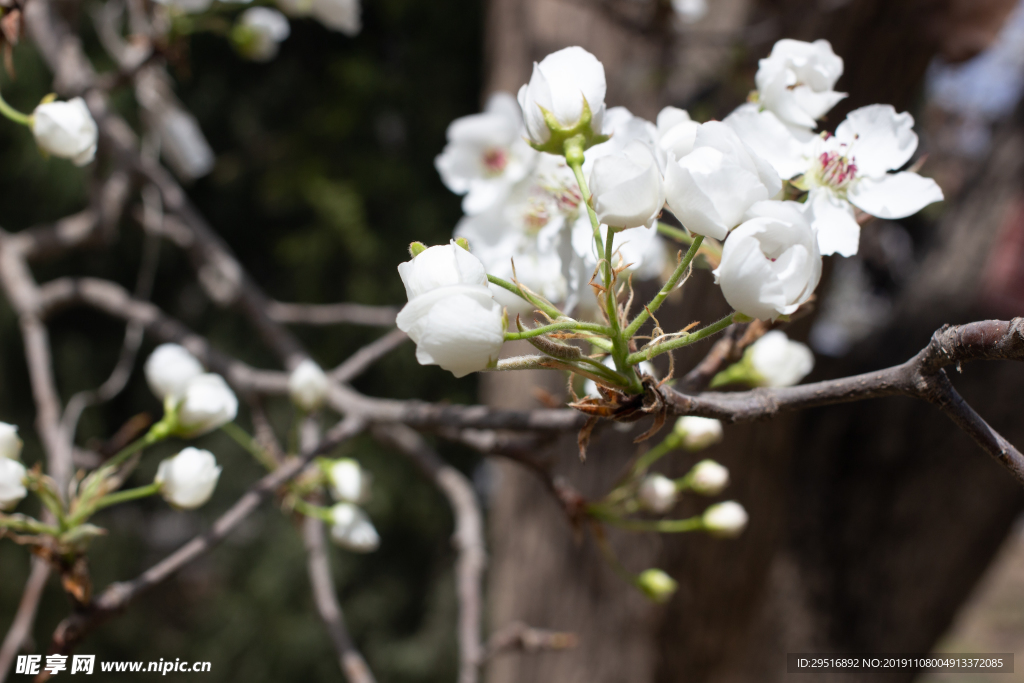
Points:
x=836, y=170
x=536, y=216
x=495, y=160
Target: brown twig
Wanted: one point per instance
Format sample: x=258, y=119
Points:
x=332, y=314
x=359, y=361
x=519, y=637
x=21, y=628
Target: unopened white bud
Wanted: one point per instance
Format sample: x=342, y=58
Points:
x=188, y=479
x=12, y=483
x=698, y=433
x=727, y=519
x=708, y=478
x=208, y=404
x=780, y=361
x=350, y=483
x=10, y=444
x=66, y=130
x=169, y=369
x=657, y=493
x=352, y=529
x=308, y=385
x=657, y=585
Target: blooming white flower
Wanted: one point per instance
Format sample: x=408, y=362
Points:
x=727, y=519
x=676, y=133
x=169, y=369
x=783, y=145
x=486, y=154
x=560, y=85
x=259, y=31
x=657, y=493
x=207, y=403
x=352, y=529
x=66, y=130
x=349, y=482
x=708, y=478
x=771, y=263
x=852, y=168
x=779, y=361
x=698, y=433
x=441, y=266
x=657, y=585
x=711, y=188
x=12, y=483
x=10, y=443
x=627, y=188
x=308, y=385
x=188, y=479
x=796, y=81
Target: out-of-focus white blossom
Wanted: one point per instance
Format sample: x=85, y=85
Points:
x=796, y=81
x=657, y=494
x=562, y=85
x=12, y=483
x=188, y=479
x=711, y=188
x=259, y=32
x=66, y=130
x=352, y=529
x=169, y=369
x=779, y=361
x=627, y=188
x=657, y=585
x=698, y=433
x=349, y=482
x=207, y=403
x=708, y=478
x=770, y=264
x=308, y=385
x=690, y=11
x=486, y=154
x=10, y=442
x=727, y=519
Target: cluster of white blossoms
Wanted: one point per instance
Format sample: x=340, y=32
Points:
x=779, y=193
x=349, y=484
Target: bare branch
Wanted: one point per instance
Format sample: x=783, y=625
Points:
x=21, y=627
x=518, y=637
x=332, y=314
x=355, y=364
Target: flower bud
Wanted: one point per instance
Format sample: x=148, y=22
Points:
x=795, y=81
x=698, y=433
x=66, y=130
x=308, y=385
x=188, y=479
x=708, y=478
x=565, y=97
x=169, y=369
x=12, y=483
x=349, y=482
x=778, y=361
x=258, y=32
x=10, y=444
x=208, y=403
x=656, y=585
x=441, y=266
x=352, y=529
x=627, y=188
x=657, y=494
x=727, y=519
x=460, y=329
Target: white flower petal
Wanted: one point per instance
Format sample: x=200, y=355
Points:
x=897, y=195
x=838, y=231
x=879, y=139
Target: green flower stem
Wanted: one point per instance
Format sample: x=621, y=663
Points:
x=594, y=369
x=48, y=496
x=550, y=310
x=24, y=524
x=158, y=432
x=13, y=114
x=113, y=499
x=315, y=511
x=711, y=249
x=574, y=157
x=662, y=526
x=245, y=440
x=680, y=341
x=669, y=285
x=554, y=327
x=613, y=561
x=671, y=443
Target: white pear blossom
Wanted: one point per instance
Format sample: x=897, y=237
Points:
x=657, y=494
x=352, y=529
x=188, y=479
x=771, y=263
x=779, y=361
x=207, y=403
x=560, y=85
x=698, y=433
x=10, y=443
x=486, y=154
x=675, y=133
x=259, y=32
x=66, y=130
x=852, y=168
x=708, y=478
x=627, y=188
x=711, y=188
x=796, y=81
x=349, y=482
x=169, y=369
x=726, y=520
x=441, y=266
x=12, y=483
x=308, y=385
x=783, y=145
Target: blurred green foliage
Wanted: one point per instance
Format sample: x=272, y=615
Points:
x=324, y=175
